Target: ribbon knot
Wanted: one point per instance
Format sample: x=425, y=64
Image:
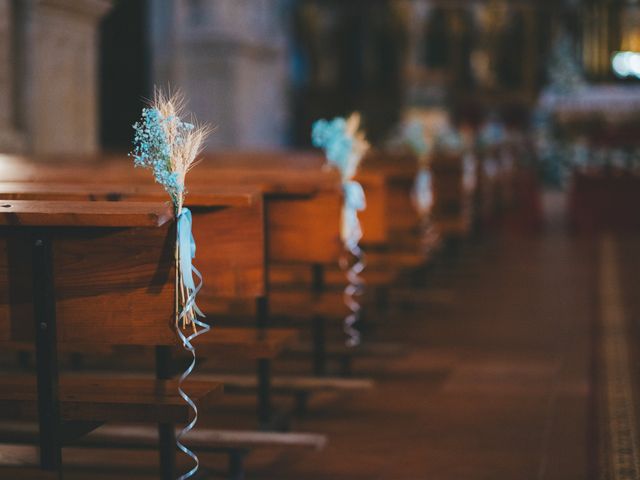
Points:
x=187, y=252
x=354, y=202
x=422, y=192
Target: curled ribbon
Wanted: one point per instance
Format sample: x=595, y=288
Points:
x=354, y=202
x=351, y=232
x=186, y=253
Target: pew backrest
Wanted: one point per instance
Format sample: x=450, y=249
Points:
x=112, y=267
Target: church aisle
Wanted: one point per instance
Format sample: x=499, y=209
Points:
x=497, y=385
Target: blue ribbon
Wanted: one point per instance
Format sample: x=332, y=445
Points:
x=422, y=192
x=186, y=254
x=354, y=202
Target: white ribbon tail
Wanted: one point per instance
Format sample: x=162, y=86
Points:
x=186, y=342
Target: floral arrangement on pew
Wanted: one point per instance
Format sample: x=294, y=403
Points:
x=490, y=138
x=449, y=141
x=415, y=137
x=345, y=145
x=169, y=146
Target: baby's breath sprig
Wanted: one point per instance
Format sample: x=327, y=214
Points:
x=343, y=143
x=167, y=145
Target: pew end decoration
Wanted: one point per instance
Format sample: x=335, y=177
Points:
x=345, y=145
x=415, y=137
x=490, y=140
x=169, y=147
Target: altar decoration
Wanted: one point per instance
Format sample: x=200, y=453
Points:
x=169, y=147
x=344, y=146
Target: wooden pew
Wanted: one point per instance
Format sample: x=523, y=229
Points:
x=389, y=215
x=93, y=273
x=410, y=240
x=302, y=217
x=237, y=444
x=453, y=192
x=231, y=258
x=303, y=204
x=263, y=345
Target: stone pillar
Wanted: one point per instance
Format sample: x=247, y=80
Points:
x=49, y=48
x=229, y=58
x=11, y=139
x=62, y=98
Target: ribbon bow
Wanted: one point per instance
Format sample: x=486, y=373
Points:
x=354, y=202
x=187, y=252
x=422, y=193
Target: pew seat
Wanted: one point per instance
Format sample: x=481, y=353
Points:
x=378, y=349
x=282, y=276
x=291, y=384
x=453, y=227
x=26, y=473
x=236, y=443
x=102, y=399
x=255, y=344
x=290, y=303
x=139, y=436
x=250, y=343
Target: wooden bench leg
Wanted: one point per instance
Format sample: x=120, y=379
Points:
x=50, y=435
x=302, y=400
x=265, y=413
x=346, y=365
x=236, y=464
x=263, y=369
x=166, y=431
x=77, y=361
x=319, y=347
x=166, y=449
x=24, y=360
x=318, y=324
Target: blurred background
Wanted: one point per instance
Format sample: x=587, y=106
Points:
x=536, y=103
x=75, y=74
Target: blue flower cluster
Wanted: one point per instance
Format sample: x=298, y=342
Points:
x=152, y=150
x=449, y=140
x=414, y=135
x=492, y=134
x=333, y=138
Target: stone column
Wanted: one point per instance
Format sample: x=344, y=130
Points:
x=60, y=82
x=229, y=58
x=11, y=139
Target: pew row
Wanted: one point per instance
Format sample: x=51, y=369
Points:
x=302, y=205
x=295, y=206
x=92, y=273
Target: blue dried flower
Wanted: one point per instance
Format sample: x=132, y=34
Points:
x=415, y=137
x=492, y=134
x=449, y=140
x=152, y=150
x=333, y=138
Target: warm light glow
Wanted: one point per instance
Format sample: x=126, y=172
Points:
x=626, y=64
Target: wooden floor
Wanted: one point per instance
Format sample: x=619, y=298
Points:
x=496, y=385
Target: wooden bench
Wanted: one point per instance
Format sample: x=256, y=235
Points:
x=235, y=443
x=452, y=196
x=302, y=203
x=232, y=258
x=92, y=273
x=248, y=343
